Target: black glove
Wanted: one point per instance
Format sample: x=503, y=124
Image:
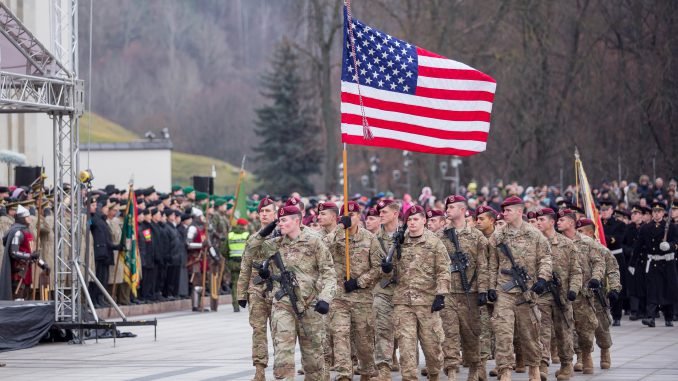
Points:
x=399, y=236
x=35, y=254
x=346, y=221
x=613, y=296
x=482, y=298
x=571, y=296
x=351, y=285
x=438, y=303
x=264, y=273
x=492, y=295
x=268, y=229
x=242, y=303
x=322, y=307
x=594, y=283
x=539, y=287
x=386, y=267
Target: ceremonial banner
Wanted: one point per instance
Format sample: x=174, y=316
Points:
x=129, y=241
x=410, y=98
x=586, y=201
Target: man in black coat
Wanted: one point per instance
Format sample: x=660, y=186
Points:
x=636, y=265
x=103, y=245
x=614, y=237
x=147, y=253
x=659, y=243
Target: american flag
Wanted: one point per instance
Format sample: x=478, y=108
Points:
x=413, y=99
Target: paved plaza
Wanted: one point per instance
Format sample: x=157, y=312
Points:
x=216, y=346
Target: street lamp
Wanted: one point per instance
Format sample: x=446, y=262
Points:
x=407, y=163
x=455, y=162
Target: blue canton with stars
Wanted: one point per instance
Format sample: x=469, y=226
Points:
x=384, y=62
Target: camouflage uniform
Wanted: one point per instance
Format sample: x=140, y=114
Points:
x=530, y=250
x=585, y=321
x=423, y=272
x=610, y=282
x=308, y=258
x=461, y=315
x=565, y=263
x=258, y=295
x=352, y=312
x=383, y=307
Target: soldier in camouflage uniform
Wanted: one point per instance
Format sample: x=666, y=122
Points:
x=585, y=322
x=352, y=315
x=461, y=316
x=513, y=308
x=566, y=267
x=383, y=291
x=306, y=256
x=485, y=220
x=254, y=290
x=423, y=280
x=611, y=284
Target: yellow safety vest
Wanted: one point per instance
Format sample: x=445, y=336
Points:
x=236, y=243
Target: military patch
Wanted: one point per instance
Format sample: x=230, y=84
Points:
x=147, y=234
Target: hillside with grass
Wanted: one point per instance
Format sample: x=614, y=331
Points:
x=96, y=129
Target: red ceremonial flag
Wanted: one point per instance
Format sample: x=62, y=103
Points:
x=410, y=98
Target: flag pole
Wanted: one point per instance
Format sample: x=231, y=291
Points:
x=237, y=188
x=345, y=167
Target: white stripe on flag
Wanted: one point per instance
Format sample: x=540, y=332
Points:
x=468, y=145
x=414, y=100
x=442, y=63
x=456, y=84
x=439, y=124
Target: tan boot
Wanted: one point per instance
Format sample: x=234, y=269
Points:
x=424, y=371
x=260, y=374
x=587, y=363
x=482, y=371
x=451, y=374
x=493, y=372
x=474, y=372
x=433, y=377
x=555, y=359
x=605, y=360
x=565, y=372
x=520, y=363
x=365, y=377
x=544, y=372
x=505, y=375
x=533, y=374
x=578, y=366
x=384, y=372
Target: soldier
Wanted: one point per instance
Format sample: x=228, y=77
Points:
x=372, y=221
x=327, y=217
x=351, y=315
x=485, y=220
x=532, y=218
x=436, y=220
x=237, y=239
x=593, y=267
x=423, y=281
x=674, y=212
x=514, y=308
x=636, y=265
x=104, y=249
x=659, y=244
x=611, y=283
x=306, y=257
x=565, y=284
x=468, y=251
x=614, y=238
x=122, y=290
x=253, y=290
x=389, y=211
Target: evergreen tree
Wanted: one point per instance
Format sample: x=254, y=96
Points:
x=288, y=151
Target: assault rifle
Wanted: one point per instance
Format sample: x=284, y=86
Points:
x=555, y=285
x=598, y=293
x=396, y=248
x=459, y=263
x=288, y=284
x=519, y=278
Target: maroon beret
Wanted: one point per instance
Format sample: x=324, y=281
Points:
x=435, y=213
x=546, y=212
x=567, y=213
x=329, y=205
x=383, y=203
x=470, y=213
x=485, y=209
x=500, y=216
x=372, y=212
x=288, y=211
x=454, y=198
x=353, y=206
x=531, y=215
x=584, y=222
x=292, y=201
x=513, y=200
x=266, y=201
x=414, y=209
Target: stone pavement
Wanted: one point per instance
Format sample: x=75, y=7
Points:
x=216, y=346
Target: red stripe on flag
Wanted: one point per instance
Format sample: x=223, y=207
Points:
x=399, y=144
x=424, y=52
x=472, y=75
x=455, y=95
x=414, y=129
x=460, y=116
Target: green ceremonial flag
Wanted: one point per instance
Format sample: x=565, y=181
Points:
x=129, y=242
x=240, y=205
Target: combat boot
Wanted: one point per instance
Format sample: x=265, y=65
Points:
x=565, y=372
x=520, y=363
x=587, y=363
x=384, y=372
x=424, y=371
x=494, y=373
x=505, y=375
x=451, y=373
x=605, y=360
x=533, y=374
x=578, y=366
x=260, y=374
x=544, y=371
x=474, y=372
x=482, y=371
x=433, y=377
